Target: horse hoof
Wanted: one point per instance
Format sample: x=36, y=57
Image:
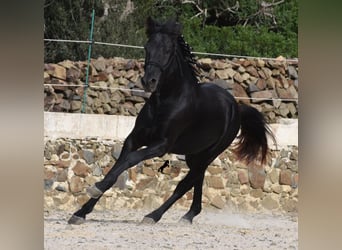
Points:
x=185, y=221
x=75, y=220
x=148, y=220
x=94, y=192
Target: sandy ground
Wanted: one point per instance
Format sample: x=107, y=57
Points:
x=212, y=229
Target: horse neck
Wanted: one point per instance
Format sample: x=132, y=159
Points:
x=179, y=78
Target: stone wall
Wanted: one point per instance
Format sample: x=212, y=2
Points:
x=115, y=86
x=71, y=165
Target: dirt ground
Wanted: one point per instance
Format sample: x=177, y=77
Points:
x=212, y=229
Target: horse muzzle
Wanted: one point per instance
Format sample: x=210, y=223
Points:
x=150, y=84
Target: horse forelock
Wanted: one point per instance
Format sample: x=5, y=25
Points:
x=170, y=27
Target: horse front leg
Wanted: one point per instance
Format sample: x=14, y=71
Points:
x=79, y=216
x=125, y=161
x=133, y=158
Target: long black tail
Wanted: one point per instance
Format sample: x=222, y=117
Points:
x=252, y=140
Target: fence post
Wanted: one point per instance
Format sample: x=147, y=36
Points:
x=88, y=64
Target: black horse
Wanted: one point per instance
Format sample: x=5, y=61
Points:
x=182, y=116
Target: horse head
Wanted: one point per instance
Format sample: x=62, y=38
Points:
x=160, y=51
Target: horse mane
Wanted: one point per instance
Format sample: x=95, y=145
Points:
x=188, y=56
x=173, y=28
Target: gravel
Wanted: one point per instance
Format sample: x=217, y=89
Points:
x=212, y=229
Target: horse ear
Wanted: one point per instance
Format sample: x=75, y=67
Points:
x=150, y=26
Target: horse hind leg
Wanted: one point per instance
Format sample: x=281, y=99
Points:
x=183, y=186
x=200, y=165
x=200, y=162
x=196, y=206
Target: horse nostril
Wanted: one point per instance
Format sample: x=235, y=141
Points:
x=153, y=81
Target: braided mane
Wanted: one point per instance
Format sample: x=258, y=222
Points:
x=188, y=56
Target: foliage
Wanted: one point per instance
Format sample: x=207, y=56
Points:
x=209, y=26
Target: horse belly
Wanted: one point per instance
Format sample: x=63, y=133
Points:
x=197, y=139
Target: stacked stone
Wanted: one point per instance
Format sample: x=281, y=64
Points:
x=71, y=165
x=115, y=85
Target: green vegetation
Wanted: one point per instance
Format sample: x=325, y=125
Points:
x=251, y=28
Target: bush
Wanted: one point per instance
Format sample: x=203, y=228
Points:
x=258, y=37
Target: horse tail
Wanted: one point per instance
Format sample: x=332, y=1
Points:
x=252, y=140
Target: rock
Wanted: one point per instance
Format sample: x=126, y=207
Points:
x=122, y=180
x=48, y=184
x=241, y=69
x=105, y=161
x=285, y=177
x=152, y=201
x=239, y=92
x=205, y=63
x=132, y=174
x=267, y=186
x=65, y=105
x=283, y=110
x=144, y=183
x=220, y=64
x=260, y=63
x=276, y=188
x=116, y=151
x=222, y=83
x=57, y=71
x=252, y=71
x=76, y=105
x=62, y=175
x=106, y=169
x=148, y=171
x=261, y=84
x=90, y=180
x=73, y=74
x=88, y=156
x=216, y=162
x=274, y=175
x=252, y=88
x=97, y=171
x=257, y=193
x=243, y=176
x=293, y=92
x=295, y=180
x=256, y=176
x=290, y=205
x=101, y=86
x=213, y=170
x=61, y=198
x=292, y=72
x=99, y=64
x=292, y=108
x=76, y=184
x=62, y=187
x=245, y=76
x=261, y=96
x=217, y=202
x=215, y=182
x=269, y=203
x=222, y=74
x=104, y=97
x=237, y=77
x=81, y=169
